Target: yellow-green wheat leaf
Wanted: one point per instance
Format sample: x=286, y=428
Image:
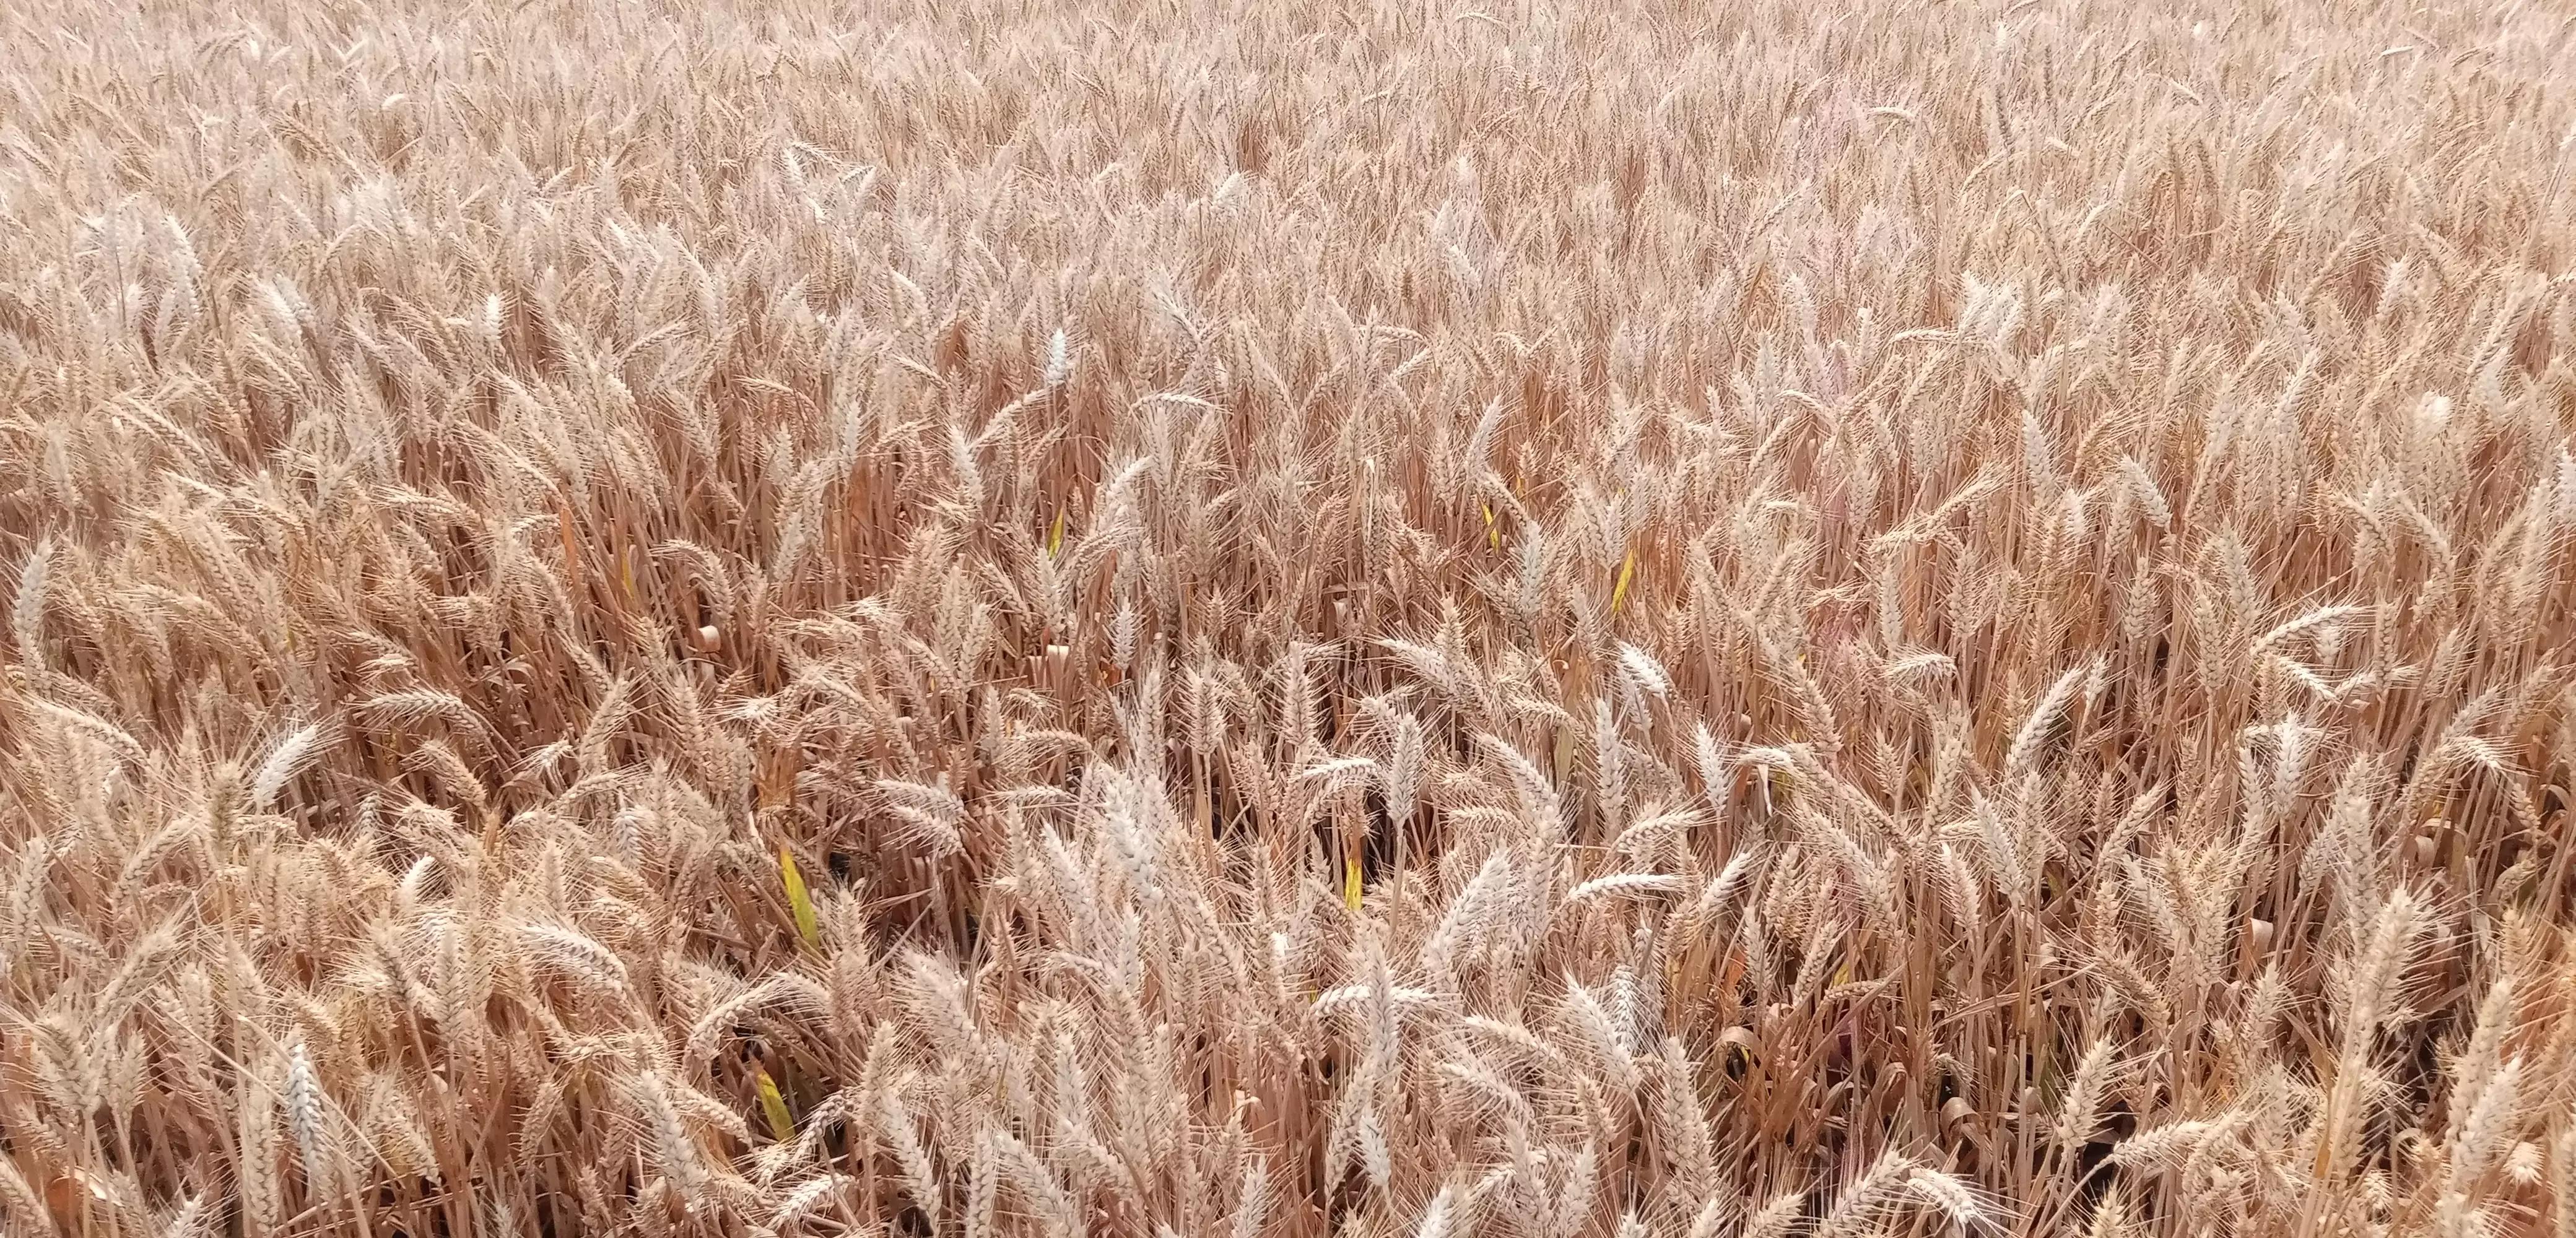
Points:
x=799, y=900
x=782, y=1124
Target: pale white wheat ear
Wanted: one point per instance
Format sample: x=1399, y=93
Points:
x=305, y=1122
x=290, y=756
x=27, y=609
x=1059, y=359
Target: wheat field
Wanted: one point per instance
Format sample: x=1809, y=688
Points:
x=1193, y=618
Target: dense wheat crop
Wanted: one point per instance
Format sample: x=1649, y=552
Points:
x=1176, y=618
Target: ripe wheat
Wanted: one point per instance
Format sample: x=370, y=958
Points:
x=1206, y=618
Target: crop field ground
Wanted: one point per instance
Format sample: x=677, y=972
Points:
x=1212, y=619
